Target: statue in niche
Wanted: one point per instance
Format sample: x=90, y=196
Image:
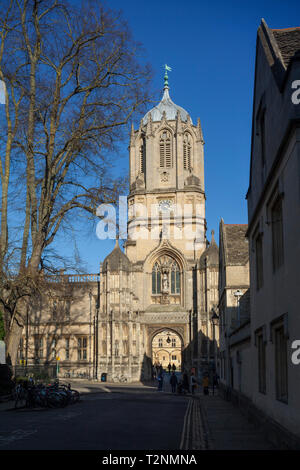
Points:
x=165, y=282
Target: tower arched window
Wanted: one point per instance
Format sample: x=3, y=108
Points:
x=156, y=279
x=166, y=276
x=175, y=278
x=187, y=151
x=165, y=149
x=142, y=156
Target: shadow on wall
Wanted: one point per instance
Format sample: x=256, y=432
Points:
x=201, y=357
x=146, y=374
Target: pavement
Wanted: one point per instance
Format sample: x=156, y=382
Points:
x=226, y=428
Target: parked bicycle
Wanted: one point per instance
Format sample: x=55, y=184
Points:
x=121, y=379
x=46, y=396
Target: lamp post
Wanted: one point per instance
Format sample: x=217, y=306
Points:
x=214, y=321
x=238, y=294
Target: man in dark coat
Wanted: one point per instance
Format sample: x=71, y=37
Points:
x=185, y=383
x=173, y=382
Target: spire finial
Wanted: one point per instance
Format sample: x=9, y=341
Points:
x=167, y=68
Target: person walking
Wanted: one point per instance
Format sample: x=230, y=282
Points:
x=185, y=383
x=205, y=384
x=173, y=382
x=173, y=367
x=169, y=367
x=193, y=383
x=215, y=382
x=160, y=379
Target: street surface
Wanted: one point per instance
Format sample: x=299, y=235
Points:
x=123, y=419
x=130, y=417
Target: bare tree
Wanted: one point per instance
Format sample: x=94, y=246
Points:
x=73, y=81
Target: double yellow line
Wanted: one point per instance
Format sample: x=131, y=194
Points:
x=194, y=433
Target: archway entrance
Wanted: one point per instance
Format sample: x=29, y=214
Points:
x=167, y=349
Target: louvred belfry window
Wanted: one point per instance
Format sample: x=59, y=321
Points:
x=165, y=150
x=142, y=156
x=187, y=151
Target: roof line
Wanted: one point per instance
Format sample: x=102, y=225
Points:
x=285, y=29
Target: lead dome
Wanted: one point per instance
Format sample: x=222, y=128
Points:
x=168, y=107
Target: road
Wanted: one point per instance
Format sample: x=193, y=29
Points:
x=129, y=418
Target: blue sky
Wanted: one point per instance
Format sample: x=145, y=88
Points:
x=211, y=49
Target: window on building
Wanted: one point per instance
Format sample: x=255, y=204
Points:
x=261, y=133
x=67, y=348
x=160, y=343
x=281, y=374
x=165, y=152
x=277, y=234
x=261, y=349
x=174, y=358
x=166, y=275
x=55, y=310
x=142, y=156
x=175, y=278
x=38, y=347
x=21, y=349
x=173, y=342
x=262, y=136
x=259, y=260
x=187, y=151
x=68, y=309
x=156, y=279
x=82, y=348
x=53, y=348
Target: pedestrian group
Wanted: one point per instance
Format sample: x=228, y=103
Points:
x=185, y=384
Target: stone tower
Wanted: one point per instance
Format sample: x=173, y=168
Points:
x=153, y=298
x=166, y=181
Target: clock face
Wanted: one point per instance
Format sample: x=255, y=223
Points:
x=165, y=205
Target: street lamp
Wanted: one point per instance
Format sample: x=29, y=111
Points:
x=214, y=321
x=238, y=294
x=214, y=318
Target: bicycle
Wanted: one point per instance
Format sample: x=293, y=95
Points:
x=45, y=396
x=20, y=395
x=121, y=379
